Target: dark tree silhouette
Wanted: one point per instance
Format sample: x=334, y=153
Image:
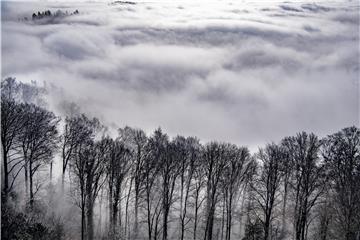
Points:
x=267, y=183
x=238, y=166
x=39, y=141
x=155, y=153
x=88, y=166
x=215, y=161
x=76, y=129
x=341, y=152
x=118, y=164
x=12, y=124
x=135, y=139
x=308, y=177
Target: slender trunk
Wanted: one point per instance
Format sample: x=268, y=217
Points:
x=63, y=182
x=242, y=211
x=31, y=185
x=165, y=221
x=303, y=226
x=182, y=228
x=100, y=211
x=283, y=225
x=26, y=172
x=51, y=171
x=148, y=215
x=127, y=209
x=181, y=204
x=6, y=174
x=136, y=206
x=114, y=217
x=266, y=228
x=120, y=213
x=137, y=192
x=223, y=219
x=197, y=193
x=195, y=219
x=210, y=224
x=229, y=218
x=111, y=208
x=156, y=232
x=165, y=207
x=82, y=222
x=90, y=221
x=63, y=169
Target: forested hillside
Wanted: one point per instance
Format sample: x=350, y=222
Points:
x=153, y=186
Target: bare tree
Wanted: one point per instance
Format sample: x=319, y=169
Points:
x=341, y=152
x=75, y=130
x=13, y=94
x=39, y=140
x=135, y=139
x=117, y=168
x=12, y=124
x=169, y=171
x=307, y=178
x=155, y=150
x=198, y=196
x=235, y=174
x=215, y=163
x=287, y=169
x=88, y=166
x=189, y=155
x=267, y=183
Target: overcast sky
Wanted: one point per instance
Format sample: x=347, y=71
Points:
x=243, y=72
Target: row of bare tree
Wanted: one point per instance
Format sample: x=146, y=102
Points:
x=300, y=188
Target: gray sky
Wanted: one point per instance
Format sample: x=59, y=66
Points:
x=238, y=71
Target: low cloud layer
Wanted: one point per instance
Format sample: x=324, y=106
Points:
x=243, y=72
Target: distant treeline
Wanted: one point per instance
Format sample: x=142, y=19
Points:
x=48, y=13
x=122, y=3
x=136, y=186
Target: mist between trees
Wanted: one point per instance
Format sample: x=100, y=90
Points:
x=154, y=187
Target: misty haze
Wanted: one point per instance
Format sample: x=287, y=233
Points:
x=180, y=120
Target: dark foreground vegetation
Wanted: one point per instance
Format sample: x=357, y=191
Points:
x=153, y=187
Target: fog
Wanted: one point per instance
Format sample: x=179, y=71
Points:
x=247, y=72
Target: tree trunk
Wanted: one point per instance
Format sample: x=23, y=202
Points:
x=114, y=218
x=63, y=182
x=211, y=224
x=31, y=185
x=165, y=222
x=26, y=171
x=229, y=218
x=127, y=210
x=82, y=222
x=223, y=219
x=196, y=211
x=181, y=204
x=283, y=225
x=90, y=221
x=100, y=211
x=6, y=175
x=51, y=171
x=120, y=213
x=149, y=216
x=136, y=206
x=266, y=228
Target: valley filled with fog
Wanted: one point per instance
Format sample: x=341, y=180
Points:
x=242, y=69
x=213, y=120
